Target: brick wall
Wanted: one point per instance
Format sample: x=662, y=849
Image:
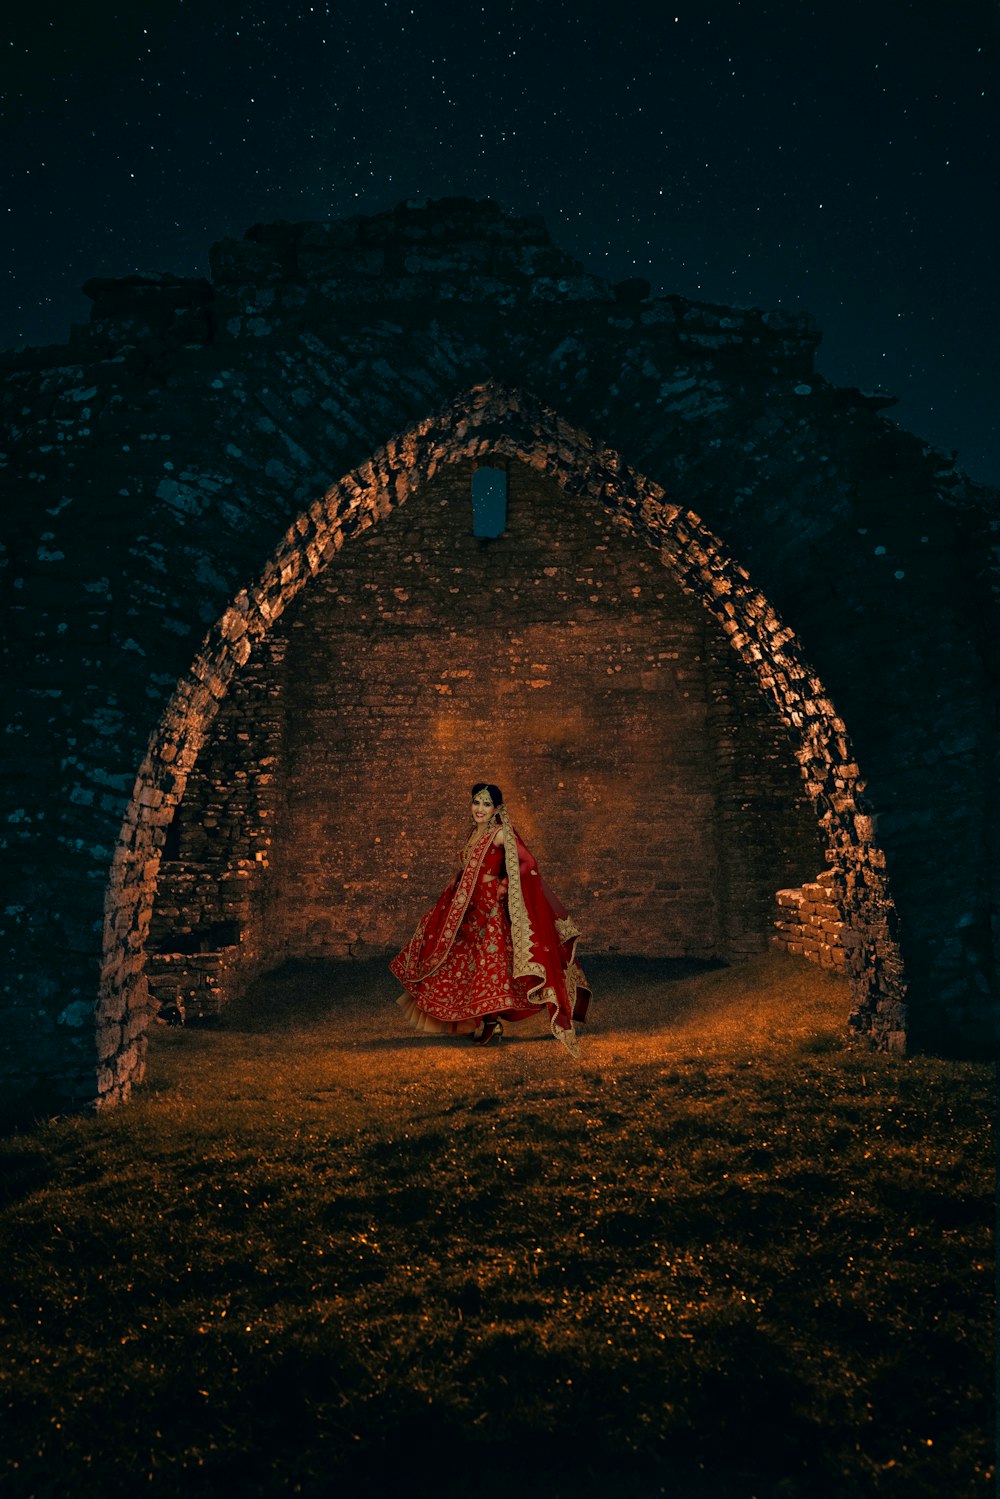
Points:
x=198, y=452
x=209, y=932
x=637, y=756
x=810, y=921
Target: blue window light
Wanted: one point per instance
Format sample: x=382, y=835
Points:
x=489, y=501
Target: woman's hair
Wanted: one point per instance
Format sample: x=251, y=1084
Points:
x=496, y=795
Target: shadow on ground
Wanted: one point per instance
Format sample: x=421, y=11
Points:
x=633, y=996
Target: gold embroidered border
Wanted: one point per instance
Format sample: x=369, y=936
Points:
x=474, y=854
x=574, y=973
x=566, y=928
x=476, y=834
x=523, y=937
x=521, y=931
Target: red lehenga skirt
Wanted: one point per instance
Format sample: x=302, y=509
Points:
x=496, y=942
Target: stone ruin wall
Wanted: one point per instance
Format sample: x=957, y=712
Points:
x=209, y=932
x=156, y=459
x=636, y=751
x=562, y=662
x=810, y=922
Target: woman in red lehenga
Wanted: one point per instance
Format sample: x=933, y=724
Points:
x=497, y=946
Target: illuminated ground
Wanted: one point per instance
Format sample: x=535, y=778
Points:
x=722, y=1255
x=345, y=1030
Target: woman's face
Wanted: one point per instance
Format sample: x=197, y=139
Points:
x=482, y=808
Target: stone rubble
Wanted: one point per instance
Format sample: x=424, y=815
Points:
x=810, y=921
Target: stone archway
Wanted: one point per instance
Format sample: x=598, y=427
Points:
x=492, y=422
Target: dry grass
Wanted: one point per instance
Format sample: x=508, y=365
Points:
x=723, y=1255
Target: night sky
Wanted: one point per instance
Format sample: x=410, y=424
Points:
x=839, y=157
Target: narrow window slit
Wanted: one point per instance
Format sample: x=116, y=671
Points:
x=489, y=501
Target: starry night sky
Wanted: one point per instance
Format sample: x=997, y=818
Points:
x=838, y=156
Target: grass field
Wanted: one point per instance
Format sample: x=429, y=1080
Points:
x=724, y=1254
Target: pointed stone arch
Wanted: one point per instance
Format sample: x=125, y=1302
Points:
x=490, y=421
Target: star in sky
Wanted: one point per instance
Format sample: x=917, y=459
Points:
x=839, y=159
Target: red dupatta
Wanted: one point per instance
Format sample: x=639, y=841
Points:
x=544, y=940
x=432, y=941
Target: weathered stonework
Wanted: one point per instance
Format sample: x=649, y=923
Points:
x=200, y=451
x=209, y=932
x=810, y=921
x=636, y=751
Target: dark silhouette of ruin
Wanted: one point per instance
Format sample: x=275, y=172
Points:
x=250, y=623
